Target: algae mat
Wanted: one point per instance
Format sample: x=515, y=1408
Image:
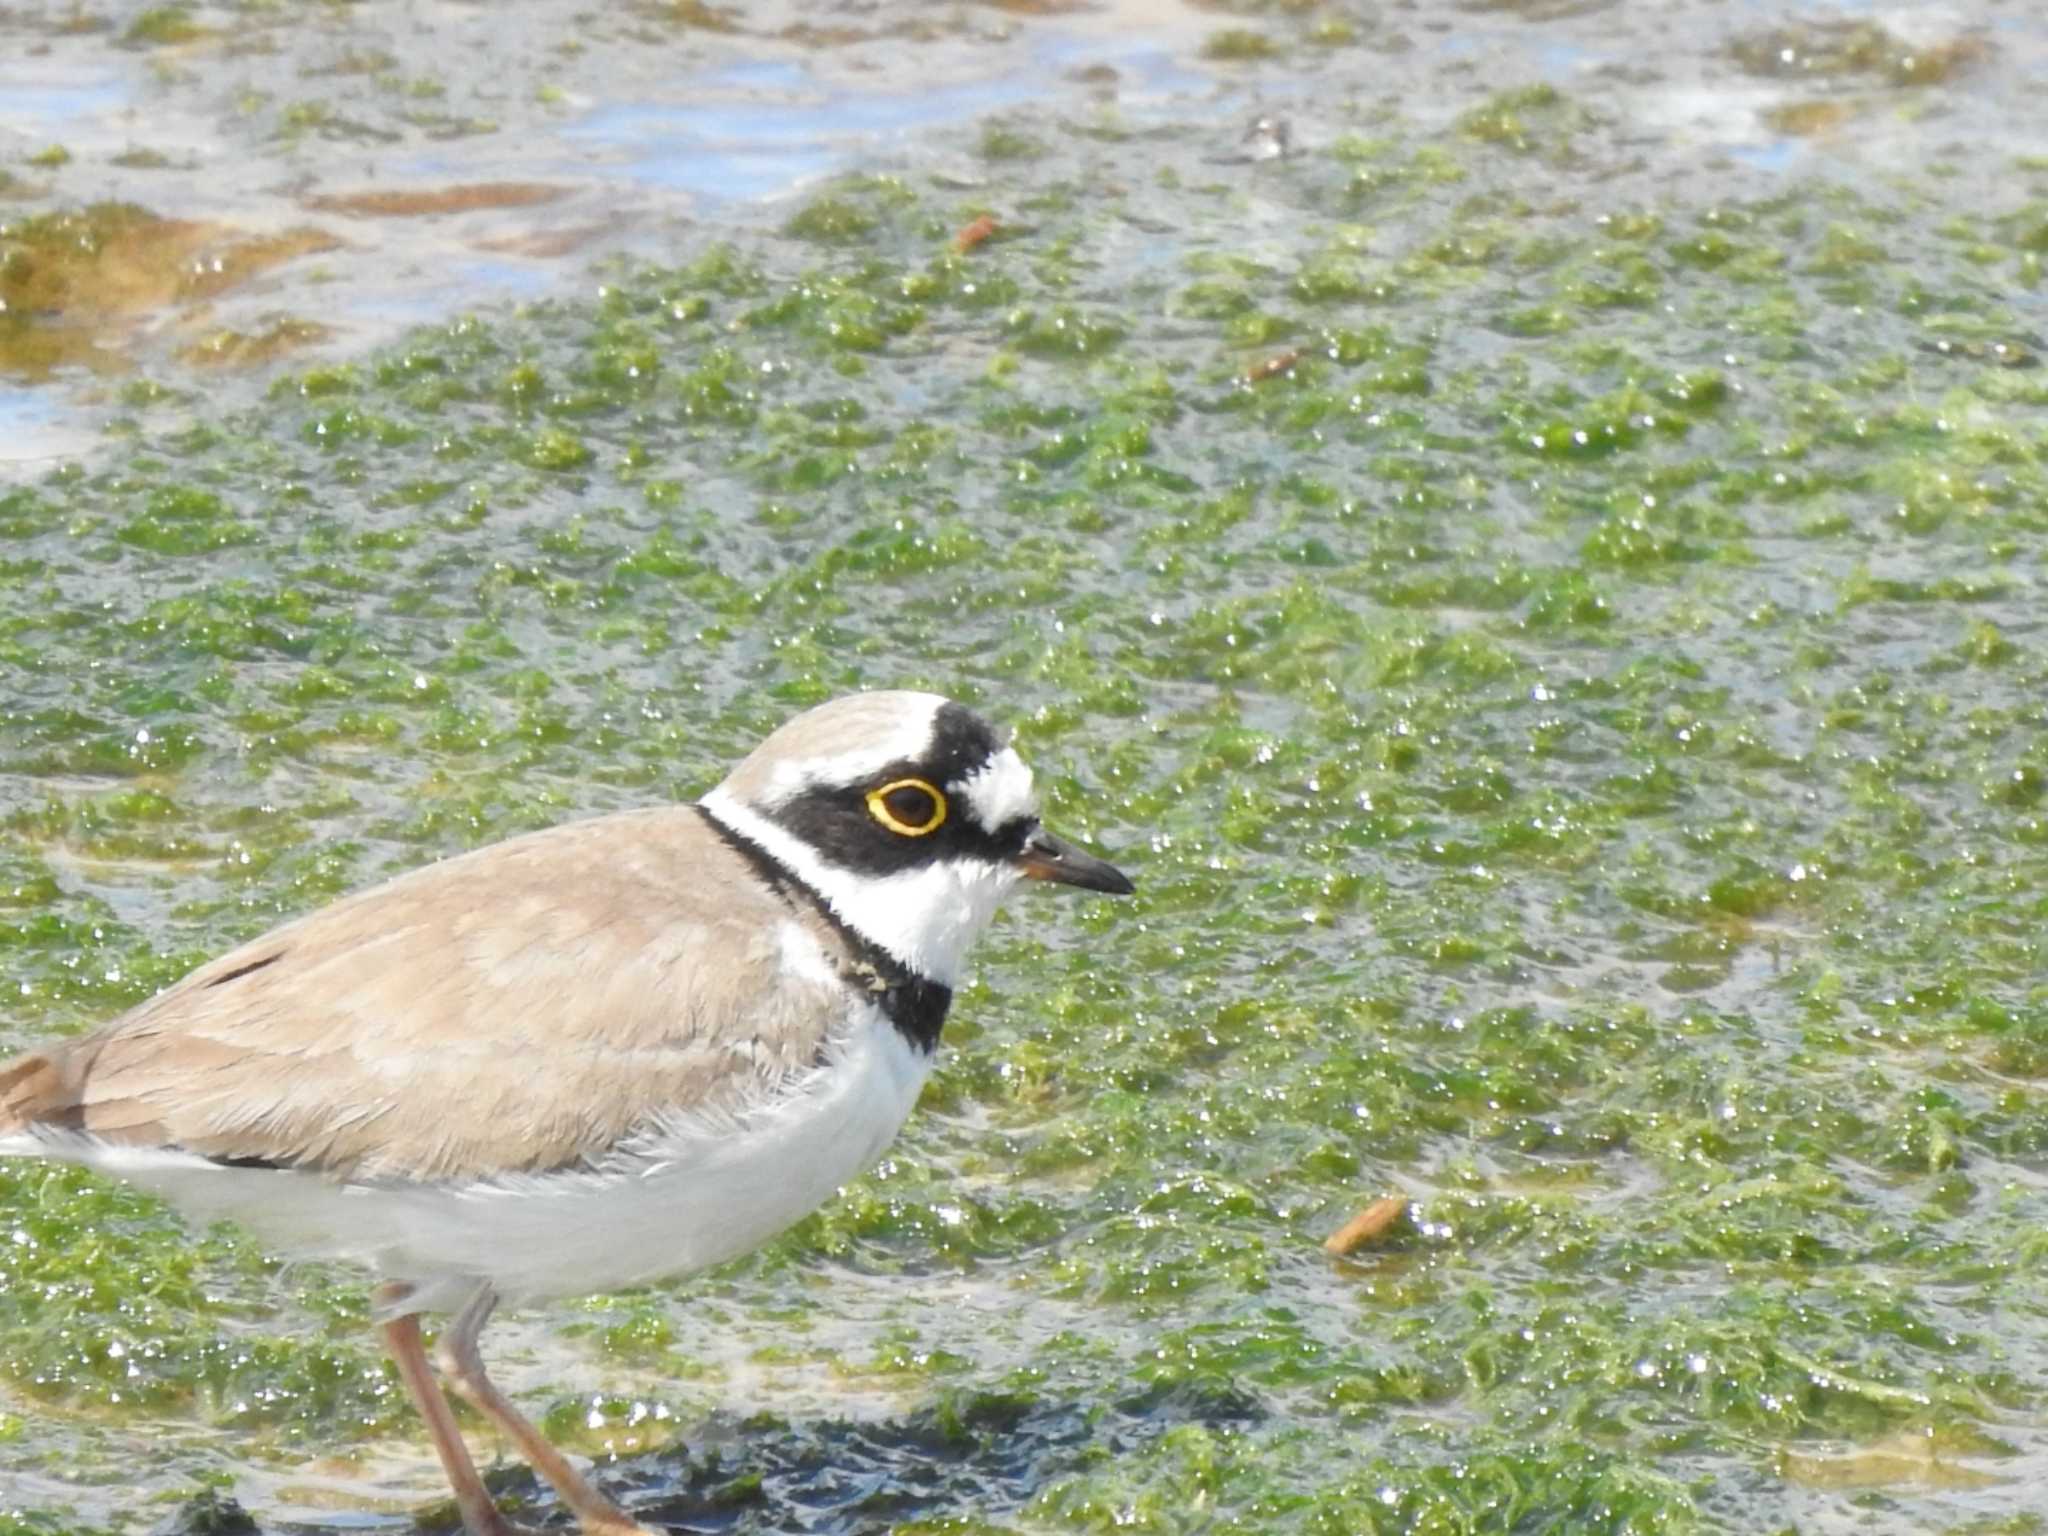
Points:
x=1560, y=650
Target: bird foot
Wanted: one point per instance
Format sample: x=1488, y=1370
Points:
x=622, y=1526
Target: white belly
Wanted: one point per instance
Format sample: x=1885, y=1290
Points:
x=691, y=1196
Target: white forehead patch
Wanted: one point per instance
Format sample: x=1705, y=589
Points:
x=1000, y=791
x=906, y=737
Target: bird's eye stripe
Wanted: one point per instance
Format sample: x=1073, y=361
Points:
x=908, y=806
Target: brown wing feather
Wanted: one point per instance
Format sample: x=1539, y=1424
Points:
x=520, y=1008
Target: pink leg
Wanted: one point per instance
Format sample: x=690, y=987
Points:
x=455, y=1352
x=480, y=1516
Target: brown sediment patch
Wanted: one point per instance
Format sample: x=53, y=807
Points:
x=427, y=202
x=1811, y=119
x=1925, y=1460
x=243, y=349
x=71, y=282
x=34, y=351
x=116, y=258
x=353, y=60
x=1040, y=7
x=810, y=35
x=1542, y=10
x=692, y=14
x=544, y=243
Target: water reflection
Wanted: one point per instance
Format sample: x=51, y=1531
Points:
x=37, y=428
x=759, y=129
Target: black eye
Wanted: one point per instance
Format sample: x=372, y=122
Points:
x=910, y=807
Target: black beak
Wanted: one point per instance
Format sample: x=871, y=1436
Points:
x=1046, y=857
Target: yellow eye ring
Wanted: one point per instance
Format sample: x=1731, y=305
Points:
x=878, y=807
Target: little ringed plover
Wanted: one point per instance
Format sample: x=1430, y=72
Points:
x=612, y=1052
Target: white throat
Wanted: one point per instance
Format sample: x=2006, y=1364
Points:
x=924, y=918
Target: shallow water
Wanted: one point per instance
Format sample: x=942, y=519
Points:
x=1540, y=583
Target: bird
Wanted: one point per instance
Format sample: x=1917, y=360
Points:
x=615, y=1051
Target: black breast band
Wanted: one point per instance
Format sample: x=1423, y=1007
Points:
x=915, y=1004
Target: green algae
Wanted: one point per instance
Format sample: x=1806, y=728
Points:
x=1577, y=732
x=1240, y=45
x=1007, y=141
x=1838, y=49
x=164, y=24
